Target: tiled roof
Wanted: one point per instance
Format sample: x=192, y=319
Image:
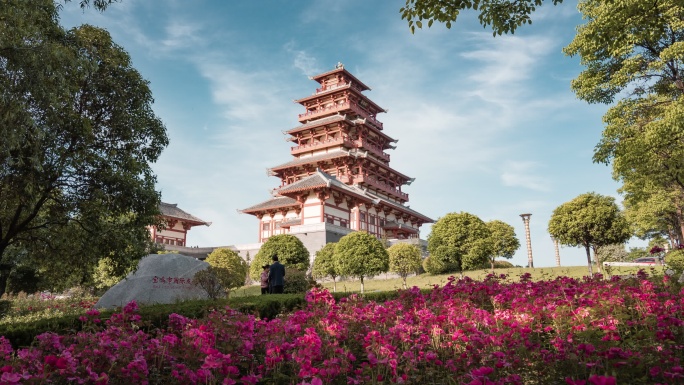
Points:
x=322, y=179
x=172, y=210
x=311, y=159
x=273, y=203
x=400, y=207
x=398, y=226
x=318, y=122
x=338, y=118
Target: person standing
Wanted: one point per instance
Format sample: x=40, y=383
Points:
x=276, y=276
x=264, y=280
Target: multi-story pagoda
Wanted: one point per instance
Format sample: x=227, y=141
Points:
x=339, y=179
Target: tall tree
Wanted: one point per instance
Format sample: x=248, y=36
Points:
x=360, y=255
x=633, y=52
x=460, y=239
x=504, y=241
x=78, y=136
x=504, y=16
x=404, y=259
x=590, y=220
x=290, y=250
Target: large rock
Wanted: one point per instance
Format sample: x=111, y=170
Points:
x=160, y=278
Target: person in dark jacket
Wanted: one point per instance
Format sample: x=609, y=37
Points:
x=276, y=276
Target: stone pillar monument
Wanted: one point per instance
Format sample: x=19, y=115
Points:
x=526, y=221
x=555, y=245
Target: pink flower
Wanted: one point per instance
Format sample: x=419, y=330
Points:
x=602, y=380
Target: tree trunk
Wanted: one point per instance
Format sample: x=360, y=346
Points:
x=361, y=285
x=591, y=274
x=492, y=263
x=598, y=265
x=680, y=234
x=334, y=285
x=404, y=279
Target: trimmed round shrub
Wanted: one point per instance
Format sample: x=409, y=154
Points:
x=499, y=264
x=675, y=260
x=434, y=266
x=296, y=281
x=290, y=250
x=229, y=267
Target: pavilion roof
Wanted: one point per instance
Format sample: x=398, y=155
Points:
x=171, y=210
x=273, y=203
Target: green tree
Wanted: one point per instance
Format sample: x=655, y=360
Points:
x=504, y=241
x=504, y=16
x=324, y=264
x=404, y=259
x=612, y=253
x=590, y=220
x=360, y=255
x=289, y=249
x=78, y=136
x=462, y=240
x=633, y=53
x=229, y=267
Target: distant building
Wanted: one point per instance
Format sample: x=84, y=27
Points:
x=177, y=223
x=339, y=179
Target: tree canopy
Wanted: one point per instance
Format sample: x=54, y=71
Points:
x=324, y=264
x=504, y=16
x=504, y=241
x=460, y=239
x=590, y=220
x=404, y=259
x=360, y=255
x=289, y=249
x=633, y=53
x=78, y=136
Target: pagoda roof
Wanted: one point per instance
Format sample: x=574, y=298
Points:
x=273, y=203
x=333, y=155
x=391, y=225
x=311, y=159
x=400, y=207
x=332, y=90
x=340, y=68
x=171, y=210
x=335, y=119
x=321, y=179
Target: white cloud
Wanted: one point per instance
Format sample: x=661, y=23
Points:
x=303, y=60
x=523, y=174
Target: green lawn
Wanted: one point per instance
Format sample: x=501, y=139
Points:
x=381, y=283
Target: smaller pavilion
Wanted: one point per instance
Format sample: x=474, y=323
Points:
x=177, y=223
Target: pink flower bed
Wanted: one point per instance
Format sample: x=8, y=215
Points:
x=565, y=331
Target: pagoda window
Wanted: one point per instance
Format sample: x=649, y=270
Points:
x=362, y=216
x=265, y=226
x=343, y=223
x=371, y=219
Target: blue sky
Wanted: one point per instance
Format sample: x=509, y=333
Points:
x=485, y=125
